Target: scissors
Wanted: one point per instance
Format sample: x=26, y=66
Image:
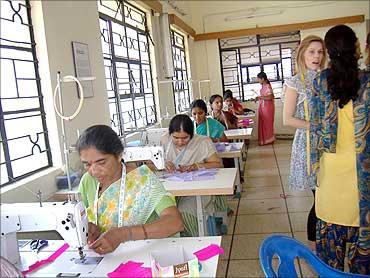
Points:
x=38, y=244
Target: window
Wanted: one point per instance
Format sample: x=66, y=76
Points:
x=125, y=42
x=244, y=57
x=181, y=91
x=24, y=138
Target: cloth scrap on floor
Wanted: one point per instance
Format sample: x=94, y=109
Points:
x=199, y=175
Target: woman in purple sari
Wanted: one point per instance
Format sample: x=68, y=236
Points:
x=266, y=111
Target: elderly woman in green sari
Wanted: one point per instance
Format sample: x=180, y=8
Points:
x=206, y=126
x=122, y=204
x=185, y=152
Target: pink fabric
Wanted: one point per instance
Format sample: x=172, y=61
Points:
x=266, y=114
x=51, y=258
x=209, y=252
x=131, y=269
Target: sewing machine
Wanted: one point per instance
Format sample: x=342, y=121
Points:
x=69, y=219
x=153, y=153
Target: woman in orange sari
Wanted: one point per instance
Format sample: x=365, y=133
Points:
x=266, y=111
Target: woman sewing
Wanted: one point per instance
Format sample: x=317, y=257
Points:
x=122, y=204
x=227, y=119
x=206, y=126
x=185, y=152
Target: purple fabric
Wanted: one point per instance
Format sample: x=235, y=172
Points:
x=200, y=175
x=233, y=147
x=220, y=147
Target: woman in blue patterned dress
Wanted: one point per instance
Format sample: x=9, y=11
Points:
x=297, y=92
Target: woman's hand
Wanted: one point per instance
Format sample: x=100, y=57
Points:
x=189, y=168
x=170, y=167
x=109, y=241
x=94, y=233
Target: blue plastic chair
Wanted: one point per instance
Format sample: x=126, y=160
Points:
x=287, y=249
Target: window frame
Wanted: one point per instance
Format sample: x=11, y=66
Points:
x=114, y=79
x=3, y=133
x=254, y=41
x=178, y=87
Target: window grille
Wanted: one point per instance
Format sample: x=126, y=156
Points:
x=125, y=42
x=24, y=137
x=244, y=57
x=181, y=90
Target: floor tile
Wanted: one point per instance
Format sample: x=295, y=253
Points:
x=302, y=237
x=307, y=271
x=299, y=221
x=244, y=268
x=262, y=181
x=298, y=193
x=226, y=244
x=221, y=268
x=284, y=170
x=233, y=204
x=261, y=206
x=299, y=204
x=261, y=172
x=247, y=246
x=266, y=192
x=262, y=223
x=230, y=227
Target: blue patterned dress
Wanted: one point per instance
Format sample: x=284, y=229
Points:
x=298, y=178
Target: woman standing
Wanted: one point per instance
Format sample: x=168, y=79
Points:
x=228, y=120
x=340, y=150
x=145, y=210
x=266, y=111
x=310, y=58
x=206, y=126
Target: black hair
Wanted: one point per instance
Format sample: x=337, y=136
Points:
x=228, y=94
x=213, y=98
x=262, y=75
x=180, y=123
x=343, y=82
x=101, y=137
x=200, y=104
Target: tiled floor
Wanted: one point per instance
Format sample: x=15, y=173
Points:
x=265, y=207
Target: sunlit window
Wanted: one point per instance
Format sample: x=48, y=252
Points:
x=244, y=57
x=125, y=42
x=24, y=139
x=181, y=88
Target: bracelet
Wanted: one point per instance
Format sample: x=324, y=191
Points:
x=129, y=234
x=197, y=165
x=145, y=233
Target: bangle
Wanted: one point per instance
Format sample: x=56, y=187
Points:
x=129, y=234
x=145, y=233
x=197, y=165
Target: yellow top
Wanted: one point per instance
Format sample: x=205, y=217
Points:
x=337, y=195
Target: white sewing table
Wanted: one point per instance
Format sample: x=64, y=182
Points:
x=137, y=251
x=239, y=133
x=236, y=154
x=222, y=184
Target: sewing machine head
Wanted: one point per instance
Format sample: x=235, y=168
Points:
x=69, y=219
x=153, y=153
